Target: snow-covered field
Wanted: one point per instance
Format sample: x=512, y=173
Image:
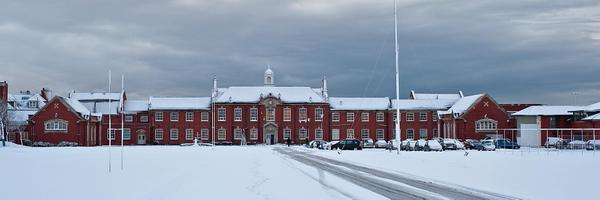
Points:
x=527, y=173
x=257, y=172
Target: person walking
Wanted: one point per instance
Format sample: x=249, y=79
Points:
x=289, y=141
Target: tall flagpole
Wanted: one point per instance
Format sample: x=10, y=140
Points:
x=109, y=124
x=122, y=116
x=397, y=78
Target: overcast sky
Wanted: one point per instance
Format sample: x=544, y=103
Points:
x=539, y=51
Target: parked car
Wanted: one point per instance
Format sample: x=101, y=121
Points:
x=562, y=143
x=487, y=145
x=433, y=145
x=348, y=144
x=472, y=144
x=449, y=144
x=316, y=144
x=420, y=145
x=551, y=142
x=405, y=145
x=328, y=145
x=506, y=144
x=380, y=144
x=592, y=145
x=368, y=143
x=576, y=144
x=392, y=145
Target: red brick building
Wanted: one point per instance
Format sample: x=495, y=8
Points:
x=360, y=118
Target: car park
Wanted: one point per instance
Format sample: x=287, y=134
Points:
x=420, y=145
x=505, y=144
x=472, y=144
x=380, y=144
x=348, y=144
x=433, y=145
x=449, y=144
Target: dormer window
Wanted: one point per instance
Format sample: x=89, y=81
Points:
x=32, y=104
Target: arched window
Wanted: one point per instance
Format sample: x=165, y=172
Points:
x=486, y=125
x=56, y=125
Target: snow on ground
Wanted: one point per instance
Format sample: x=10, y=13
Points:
x=527, y=173
x=165, y=172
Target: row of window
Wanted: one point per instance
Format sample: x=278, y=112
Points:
x=270, y=114
x=364, y=117
x=174, y=117
x=159, y=134
x=423, y=117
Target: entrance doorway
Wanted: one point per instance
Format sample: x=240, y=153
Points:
x=141, y=137
x=270, y=134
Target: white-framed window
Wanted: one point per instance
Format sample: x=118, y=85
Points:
x=222, y=134
x=128, y=118
x=237, y=134
x=335, y=117
x=144, y=118
x=126, y=134
x=111, y=134
x=287, y=133
x=189, y=116
x=158, y=134
x=174, y=134
x=237, y=114
x=204, y=134
x=318, y=114
x=423, y=133
x=350, y=117
x=423, y=116
x=486, y=125
x=410, y=133
x=158, y=116
x=32, y=104
x=270, y=114
x=435, y=132
x=287, y=114
x=253, y=114
x=380, y=134
x=335, y=134
x=221, y=114
x=302, y=133
x=410, y=117
x=189, y=134
x=302, y=114
x=395, y=116
x=380, y=117
x=364, y=133
x=434, y=116
x=204, y=116
x=253, y=134
x=318, y=134
x=350, y=134
x=56, y=125
x=364, y=116
x=174, y=116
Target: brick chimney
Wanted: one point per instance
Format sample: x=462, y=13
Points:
x=3, y=92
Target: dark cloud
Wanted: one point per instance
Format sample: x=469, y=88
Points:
x=518, y=51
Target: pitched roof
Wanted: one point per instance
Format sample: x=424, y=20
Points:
x=595, y=117
x=254, y=94
x=179, y=103
x=21, y=101
x=78, y=107
x=102, y=107
x=463, y=104
x=422, y=96
x=136, y=106
x=359, y=103
x=422, y=104
x=547, y=110
x=95, y=96
x=591, y=108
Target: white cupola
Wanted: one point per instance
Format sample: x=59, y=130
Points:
x=269, y=77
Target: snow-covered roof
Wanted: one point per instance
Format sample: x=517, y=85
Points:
x=95, y=96
x=102, y=107
x=591, y=108
x=179, y=103
x=422, y=104
x=595, y=117
x=358, y=103
x=547, y=110
x=254, y=94
x=19, y=117
x=20, y=101
x=79, y=107
x=422, y=96
x=462, y=104
x=136, y=106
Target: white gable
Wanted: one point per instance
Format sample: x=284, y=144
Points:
x=354, y=103
x=462, y=105
x=253, y=94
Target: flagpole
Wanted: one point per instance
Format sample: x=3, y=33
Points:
x=397, y=78
x=109, y=124
x=122, y=115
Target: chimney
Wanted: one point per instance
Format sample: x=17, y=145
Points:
x=3, y=92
